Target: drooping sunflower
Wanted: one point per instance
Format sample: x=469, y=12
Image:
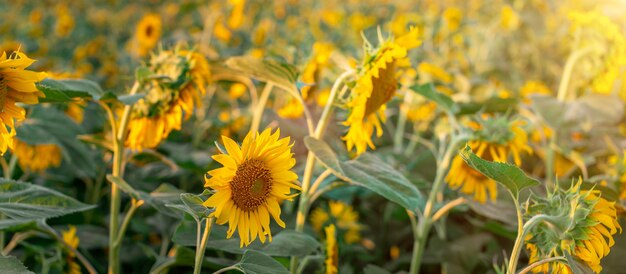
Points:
x=343, y=216
x=17, y=85
x=374, y=87
x=70, y=238
x=254, y=179
x=29, y=157
x=332, y=250
x=495, y=139
x=148, y=33
x=587, y=235
x=169, y=99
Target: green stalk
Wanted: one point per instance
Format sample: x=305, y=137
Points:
x=119, y=137
x=303, y=206
x=519, y=240
x=426, y=220
x=201, y=244
x=260, y=107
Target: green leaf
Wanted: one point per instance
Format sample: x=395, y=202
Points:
x=11, y=265
x=370, y=172
x=192, y=204
x=509, y=176
x=291, y=243
x=163, y=199
x=373, y=269
x=25, y=201
x=68, y=89
x=324, y=153
x=265, y=70
x=47, y=125
x=255, y=262
x=445, y=102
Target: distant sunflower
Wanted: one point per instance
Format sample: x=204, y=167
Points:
x=255, y=178
x=148, y=33
x=169, y=99
x=332, y=251
x=29, y=157
x=495, y=140
x=17, y=85
x=343, y=216
x=588, y=236
x=375, y=86
x=70, y=238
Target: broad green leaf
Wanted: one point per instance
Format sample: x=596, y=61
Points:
x=373, y=269
x=25, y=201
x=192, y=204
x=509, y=176
x=265, y=70
x=16, y=225
x=606, y=109
x=374, y=174
x=370, y=172
x=255, y=262
x=47, y=125
x=291, y=243
x=11, y=265
x=164, y=198
x=68, y=89
x=491, y=105
x=445, y=102
x=324, y=153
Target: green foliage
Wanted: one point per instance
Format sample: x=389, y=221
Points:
x=442, y=100
x=47, y=125
x=370, y=172
x=56, y=91
x=509, y=176
x=282, y=74
x=24, y=202
x=11, y=265
x=255, y=262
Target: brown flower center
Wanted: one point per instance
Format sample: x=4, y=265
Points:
x=251, y=185
x=149, y=31
x=383, y=88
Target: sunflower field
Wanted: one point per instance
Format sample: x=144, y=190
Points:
x=306, y=136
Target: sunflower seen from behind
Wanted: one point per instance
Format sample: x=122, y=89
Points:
x=494, y=139
x=587, y=225
x=375, y=85
x=170, y=98
x=17, y=85
x=255, y=178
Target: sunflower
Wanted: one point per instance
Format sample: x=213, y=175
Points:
x=375, y=86
x=332, y=251
x=70, y=238
x=588, y=235
x=343, y=215
x=17, y=85
x=148, y=33
x=293, y=109
x=29, y=157
x=311, y=74
x=169, y=99
x=253, y=181
x=495, y=140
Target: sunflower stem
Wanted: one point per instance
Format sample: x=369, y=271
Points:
x=538, y=263
x=258, y=111
x=201, y=244
x=399, y=134
x=422, y=229
x=303, y=206
x=517, y=247
x=116, y=198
